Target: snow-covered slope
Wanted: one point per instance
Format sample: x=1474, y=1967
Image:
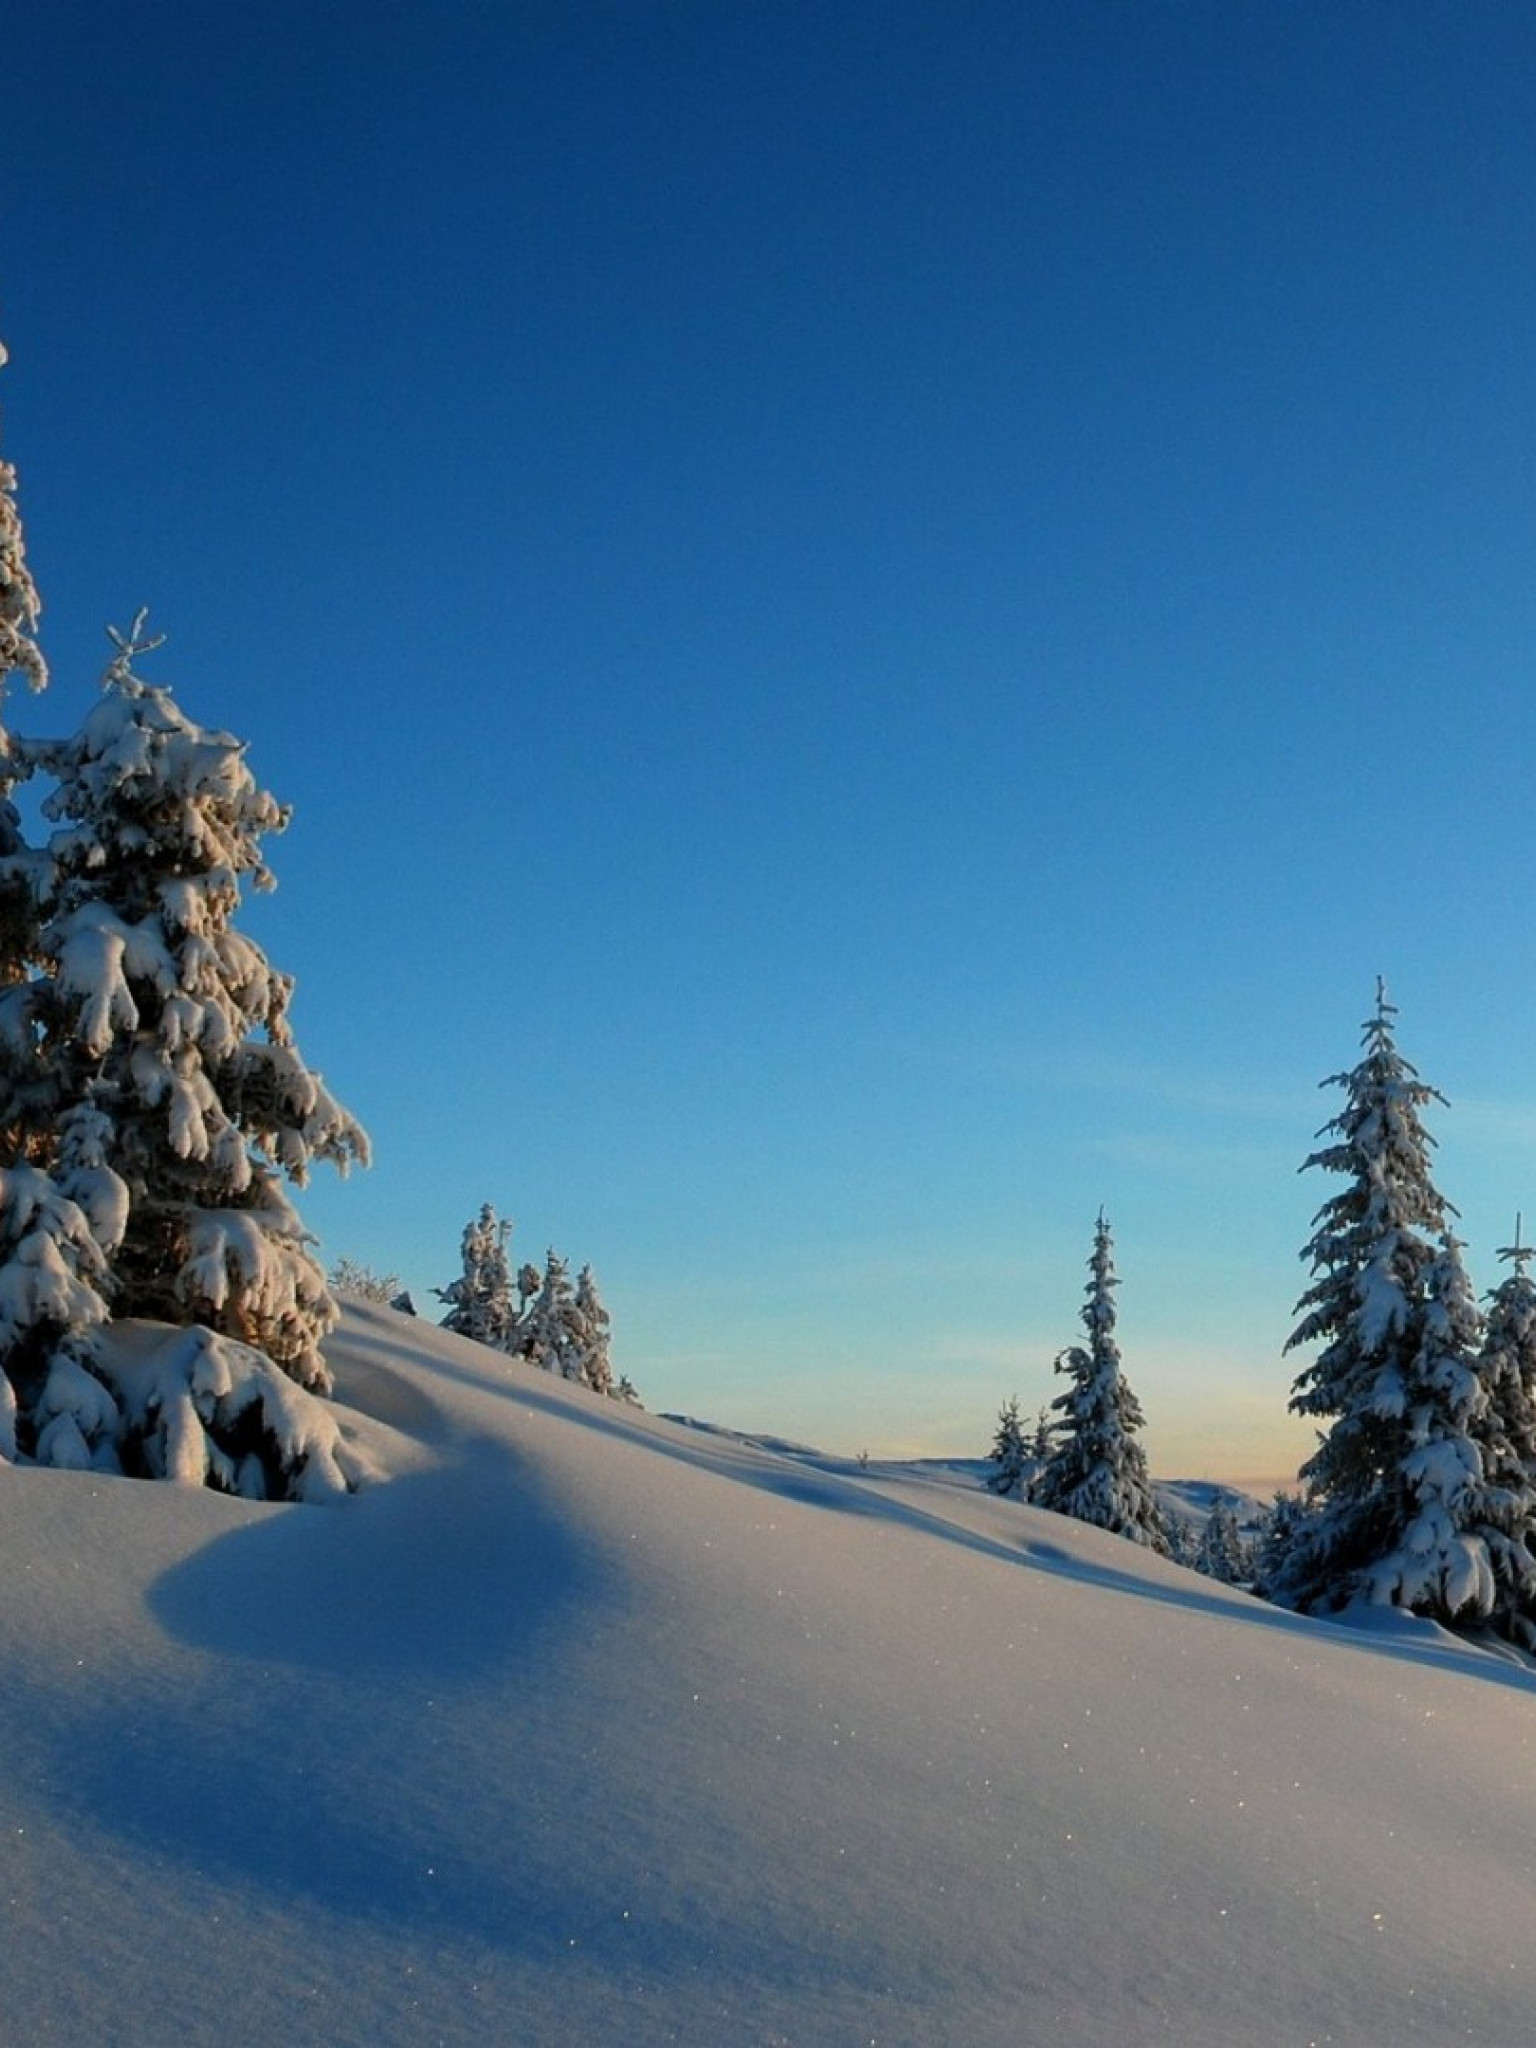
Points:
x=592, y=1728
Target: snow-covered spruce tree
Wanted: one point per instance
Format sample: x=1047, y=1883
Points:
x=1395, y=1487
x=53, y=1265
x=20, y=606
x=1097, y=1471
x=1506, y=1437
x=1183, y=1538
x=1283, y=1528
x=1221, y=1552
x=549, y=1334
x=147, y=1066
x=480, y=1304
x=594, y=1333
x=1009, y=1456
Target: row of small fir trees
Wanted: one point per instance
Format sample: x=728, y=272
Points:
x=1421, y=1493
x=538, y=1316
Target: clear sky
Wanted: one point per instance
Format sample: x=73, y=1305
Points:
x=878, y=618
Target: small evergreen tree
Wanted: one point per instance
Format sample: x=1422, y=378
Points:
x=1221, y=1552
x=593, y=1334
x=1284, y=1526
x=1395, y=1486
x=549, y=1335
x=1506, y=1435
x=480, y=1302
x=1009, y=1455
x=1097, y=1471
x=1183, y=1539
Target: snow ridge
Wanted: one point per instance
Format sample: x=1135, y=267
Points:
x=587, y=1726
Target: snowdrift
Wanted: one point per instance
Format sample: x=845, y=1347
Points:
x=589, y=1727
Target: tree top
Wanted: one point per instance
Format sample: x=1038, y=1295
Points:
x=20, y=605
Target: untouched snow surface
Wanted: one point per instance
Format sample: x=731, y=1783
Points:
x=592, y=1728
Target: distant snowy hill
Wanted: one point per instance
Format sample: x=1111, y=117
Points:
x=1196, y=1497
x=589, y=1727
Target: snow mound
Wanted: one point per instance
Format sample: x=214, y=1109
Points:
x=588, y=1727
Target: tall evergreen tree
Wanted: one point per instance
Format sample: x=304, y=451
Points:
x=148, y=1069
x=1395, y=1487
x=20, y=606
x=1097, y=1471
x=61, y=1212
x=20, y=609
x=151, y=1009
x=1507, y=1439
x=152, y=1103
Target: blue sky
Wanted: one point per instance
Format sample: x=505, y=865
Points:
x=877, y=617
